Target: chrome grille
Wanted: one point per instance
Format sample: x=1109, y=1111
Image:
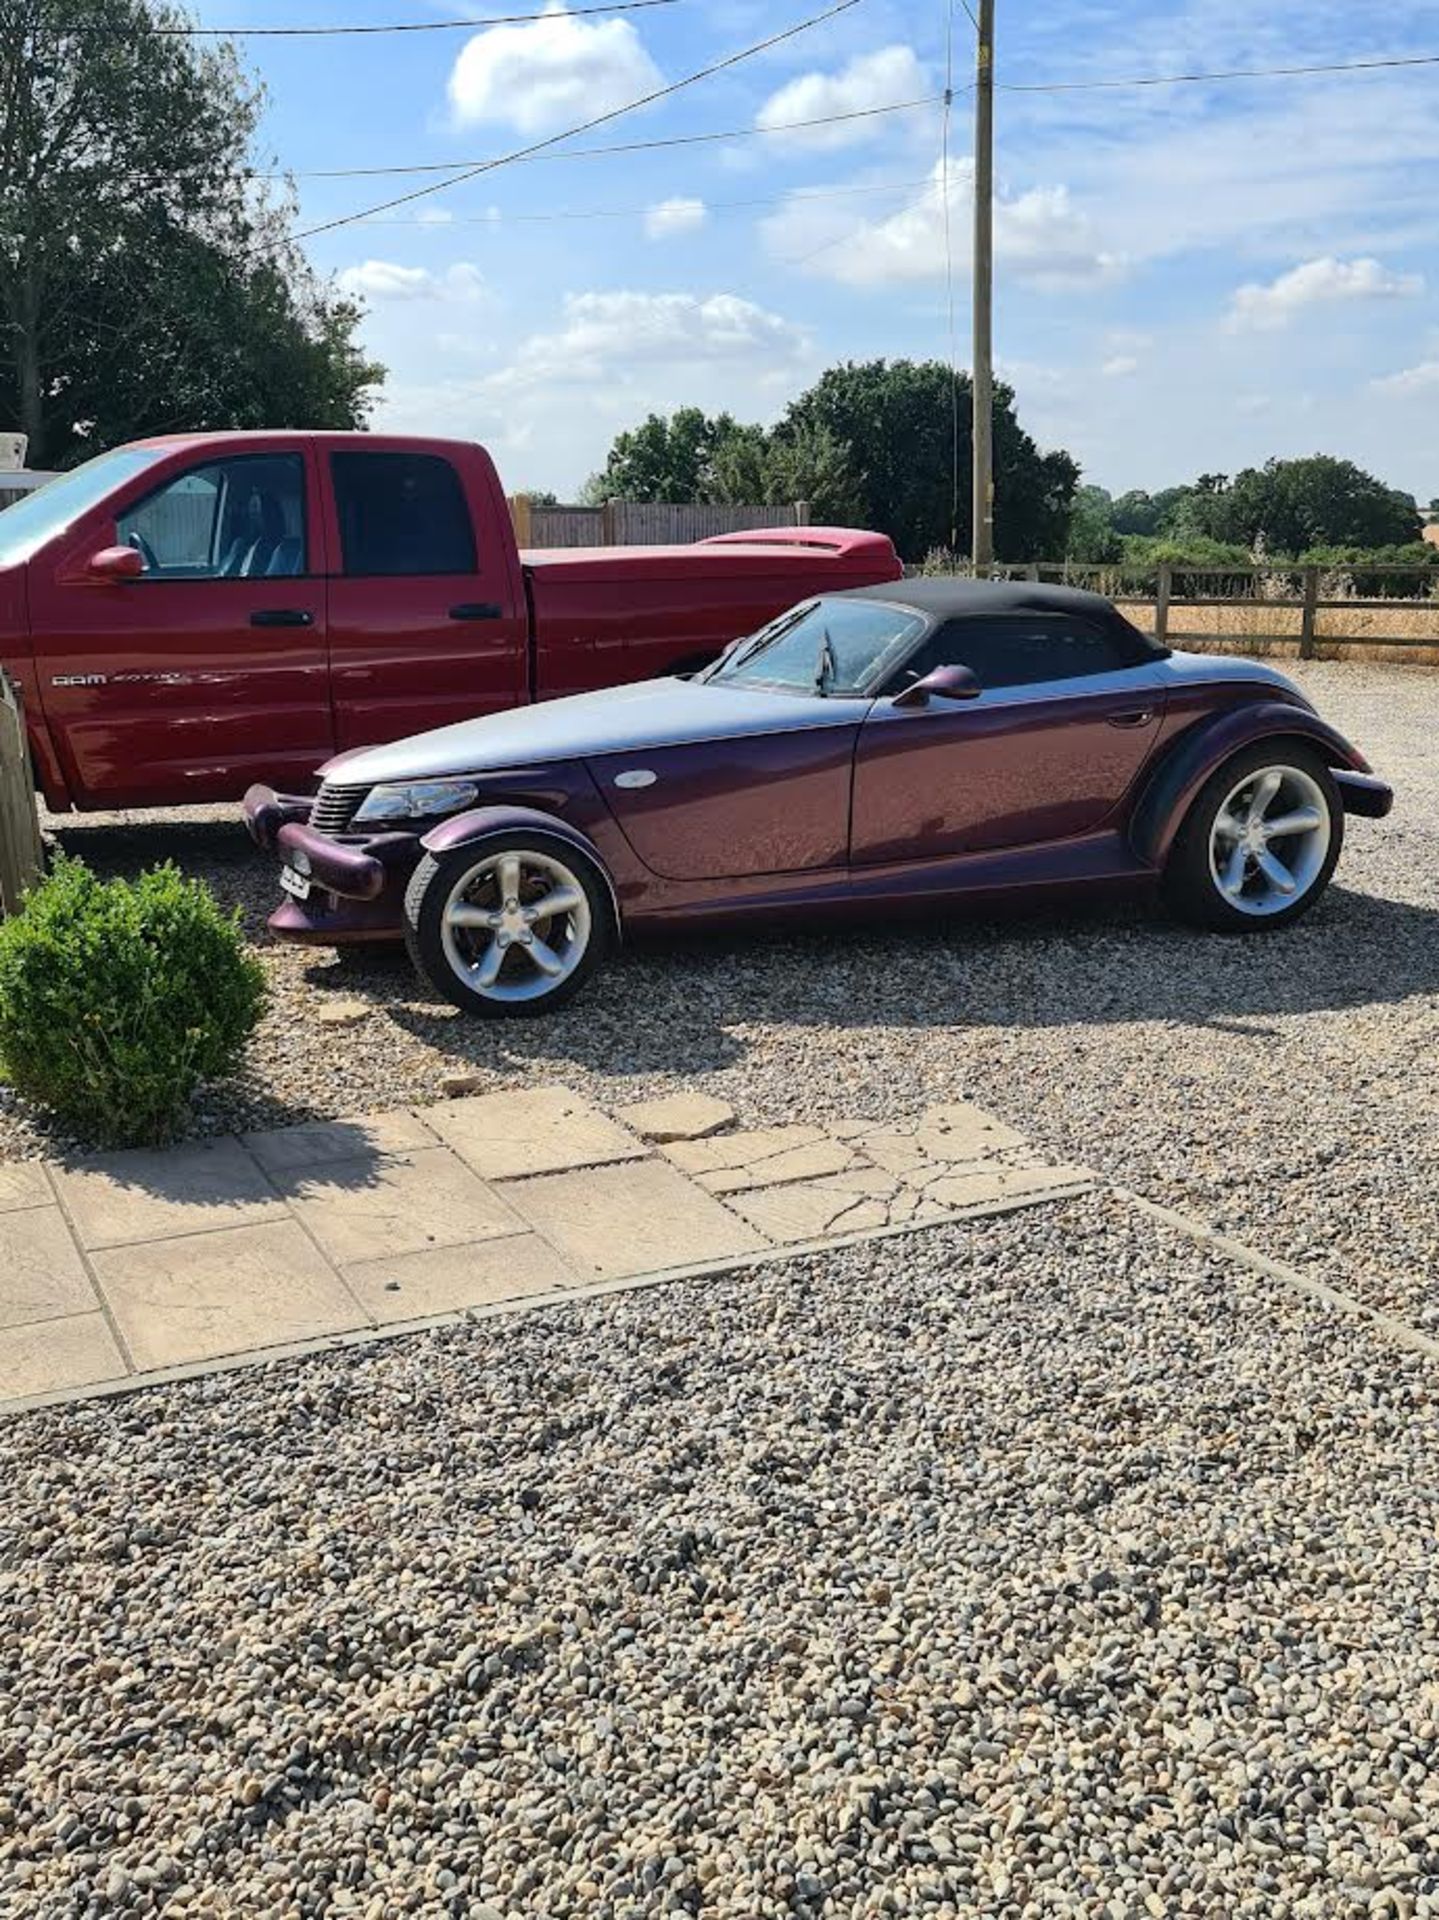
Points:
x=335, y=807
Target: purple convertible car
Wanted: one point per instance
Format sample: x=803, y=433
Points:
x=916, y=744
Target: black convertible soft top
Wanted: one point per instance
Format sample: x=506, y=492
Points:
x=952, y=598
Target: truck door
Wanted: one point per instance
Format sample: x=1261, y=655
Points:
x=207, y=671
x=427, y=617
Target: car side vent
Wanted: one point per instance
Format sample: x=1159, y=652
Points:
x=336, y=807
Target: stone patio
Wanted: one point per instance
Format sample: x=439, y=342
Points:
x=147, y=1265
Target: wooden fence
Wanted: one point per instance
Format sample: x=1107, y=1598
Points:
x=641, y=523
x=1306, y=609
x=22, y=851
x=14, y=486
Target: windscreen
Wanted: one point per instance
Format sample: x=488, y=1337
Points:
x=832, y=646
x=25, y=527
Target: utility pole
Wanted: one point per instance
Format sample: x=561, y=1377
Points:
x=984, y=294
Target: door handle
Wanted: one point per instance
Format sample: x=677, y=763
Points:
x=478, y=610
x=1132, y=717
x=282, y=617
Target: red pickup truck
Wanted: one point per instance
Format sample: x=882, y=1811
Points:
x=188, y=613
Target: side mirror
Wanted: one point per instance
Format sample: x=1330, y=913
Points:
x=114, y=564
x=944, y=683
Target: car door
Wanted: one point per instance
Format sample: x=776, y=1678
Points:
x=207, y=671
x=427, y=622
x=1062, y=726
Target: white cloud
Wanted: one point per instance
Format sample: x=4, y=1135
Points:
x=549, y=72
x=606, y=333
x=1040, y=236
x=388, y=280
x=872, y=80
x=669, y=217
x=1266, y=308
x=1118, y=366
x=1421, y=379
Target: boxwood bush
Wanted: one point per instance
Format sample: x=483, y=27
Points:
x=118, y=997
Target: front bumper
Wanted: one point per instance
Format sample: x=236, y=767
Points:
x=357, y=880
x=1364, y=793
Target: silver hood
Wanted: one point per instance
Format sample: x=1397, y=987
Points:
x=652, y=713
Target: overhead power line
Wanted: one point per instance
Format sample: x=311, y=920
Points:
x=163, y=30
x=499, y=219
x=599, y=120
x=1230, y=73
x=619, y=146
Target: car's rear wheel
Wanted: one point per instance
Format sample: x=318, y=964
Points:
x=508, y=926
x=1260, y=843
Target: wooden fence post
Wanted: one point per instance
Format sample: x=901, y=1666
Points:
x=22, y=851
x=1309, y=619
x=607, y=525
x=1161, y=604
x=522, y=510
x=801, y=513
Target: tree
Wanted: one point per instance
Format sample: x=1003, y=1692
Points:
x=148, y=278
x=667, y=457
x=1092, y=535
x=812, y=464
x=1287, y=506
x=896, y=419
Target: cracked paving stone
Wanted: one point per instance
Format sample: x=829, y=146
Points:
x=762, y=1157
x=945, y=1135
x=862, y=1200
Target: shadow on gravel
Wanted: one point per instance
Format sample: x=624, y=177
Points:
x=698, y=1003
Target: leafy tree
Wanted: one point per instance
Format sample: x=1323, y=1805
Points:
x=740, y=467
x=667, y=457
x=895, y=418
x=148, y=279
x=1093, y=537
x=1287, y=506
x=814, y=465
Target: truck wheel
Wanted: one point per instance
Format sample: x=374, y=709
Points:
x=508, y=926
x=1260, y=843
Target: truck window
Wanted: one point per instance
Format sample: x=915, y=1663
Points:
x=402, y=513
x=236, y=519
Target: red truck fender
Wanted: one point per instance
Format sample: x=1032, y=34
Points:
x=1174, y=784
x=481, y=823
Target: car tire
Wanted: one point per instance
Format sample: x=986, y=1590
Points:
x=479, y=944
x=1229, y=871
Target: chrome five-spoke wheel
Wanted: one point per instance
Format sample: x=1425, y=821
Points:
x=1269, y=840
x=1260, y=842
x=505, y=928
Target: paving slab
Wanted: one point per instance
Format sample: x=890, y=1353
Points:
x=972, y=1186
x=376, y=1137
x=639, y=1217
x=59, y=1356
x=412, y=1286
x=540, y=1130
x=42, y=1276
x=864, y=1200
x=24, y=1183
x=943, y=1136
x=761, y=1157
x=117, y=1199
x=678, y=1116
x=371, y=1210
x=212, y=1294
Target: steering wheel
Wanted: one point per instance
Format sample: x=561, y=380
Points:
x=145, y=550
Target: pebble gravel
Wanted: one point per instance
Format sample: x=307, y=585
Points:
x=1041, y=1566
x=1284, y=1088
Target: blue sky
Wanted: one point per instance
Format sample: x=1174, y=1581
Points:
x=1189, y=278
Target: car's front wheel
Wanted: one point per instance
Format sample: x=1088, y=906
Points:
x=1260, y=843
x=507, y=926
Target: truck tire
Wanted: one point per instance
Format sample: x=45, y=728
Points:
x=508, y=926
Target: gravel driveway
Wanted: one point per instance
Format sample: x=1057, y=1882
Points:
x=1284, y=1088
x=1042, y=1566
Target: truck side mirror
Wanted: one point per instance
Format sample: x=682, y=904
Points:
x=943, y=683
x=114, y=564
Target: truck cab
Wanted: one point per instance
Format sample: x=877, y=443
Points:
x=188, y=612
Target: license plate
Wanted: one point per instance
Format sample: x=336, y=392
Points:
x=296, y=883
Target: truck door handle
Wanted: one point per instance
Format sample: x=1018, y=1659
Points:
x=1132, y=717
x=282, y=617
x=477, y=610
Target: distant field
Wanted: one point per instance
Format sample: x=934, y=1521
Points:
x=1272, y=627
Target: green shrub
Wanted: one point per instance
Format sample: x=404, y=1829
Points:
x=117, y=998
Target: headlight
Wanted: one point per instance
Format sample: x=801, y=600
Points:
x=417, y=800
